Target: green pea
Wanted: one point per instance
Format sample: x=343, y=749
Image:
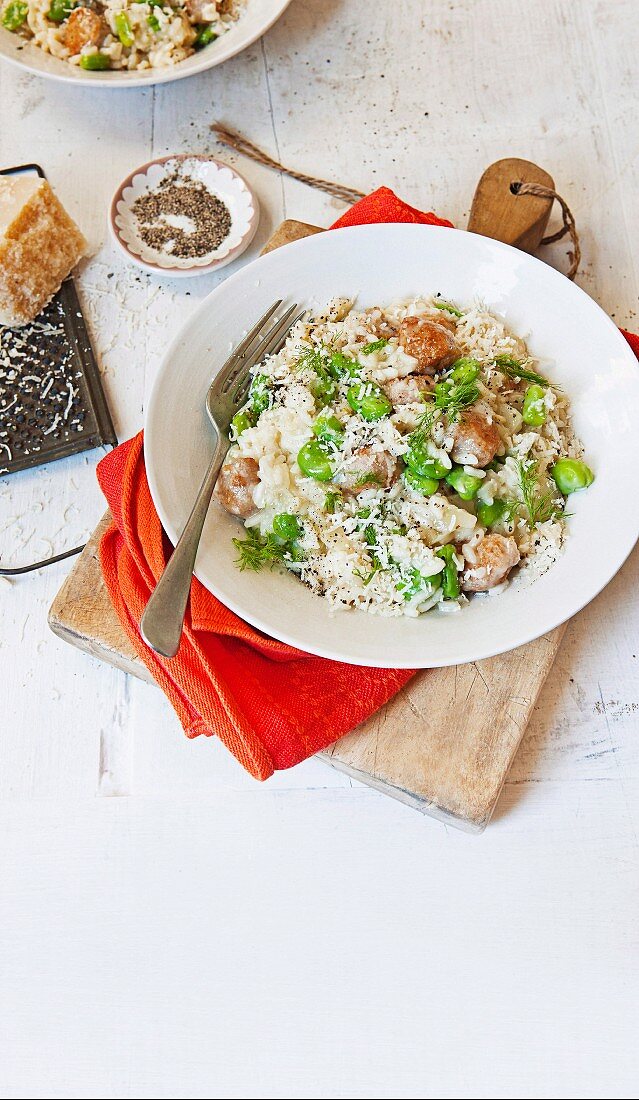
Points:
x=421, y=461
x=465, y=485
x=341, y=366
x=260, y=394
x=465, y=370
x=240, y=422
x=534, y=410
x=570, y=475
x=442, y=393
x=123, y=29
x=450, y=580
x=323, y=389
x=60, y=9
x=329, y=428
x=15, y=15
x=204, y=35
x=369, y=401
x=490, y=514
x=94, y=62
x=424, y=485
x=313, y=461
x=287, y=526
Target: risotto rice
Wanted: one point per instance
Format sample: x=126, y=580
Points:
x=402, y=458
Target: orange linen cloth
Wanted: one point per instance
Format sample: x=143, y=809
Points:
x=271, y=705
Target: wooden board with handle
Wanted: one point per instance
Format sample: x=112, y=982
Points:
x=445, y=743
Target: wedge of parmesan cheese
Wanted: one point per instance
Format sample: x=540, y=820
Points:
x=39, y=246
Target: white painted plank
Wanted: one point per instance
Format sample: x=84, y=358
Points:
x=322, y=944
x=54, y=711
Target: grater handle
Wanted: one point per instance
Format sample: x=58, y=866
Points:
x=162, y=621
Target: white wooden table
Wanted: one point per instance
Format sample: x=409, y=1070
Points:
x=169, y=928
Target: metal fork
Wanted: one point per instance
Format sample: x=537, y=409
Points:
x=163, y=618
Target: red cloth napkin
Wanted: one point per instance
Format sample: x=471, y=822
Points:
x=271, y=705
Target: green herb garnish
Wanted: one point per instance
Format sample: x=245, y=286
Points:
x=377, y=345
x=416, y=582
x=257, y=551
x=370, y=538
x=367, y=479
x=366, y=577
x=427, y=420
x=513, y=369
x=449, y=309
x=332, y=502
x=452, y=397
x=540, y=504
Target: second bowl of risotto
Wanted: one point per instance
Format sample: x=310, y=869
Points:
x=437, y=465
x=119, y=43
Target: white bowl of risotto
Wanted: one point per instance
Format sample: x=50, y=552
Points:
x=438, y=465
x=125, y=43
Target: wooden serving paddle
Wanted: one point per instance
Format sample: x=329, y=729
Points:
x=444, y=744
x=498, y=211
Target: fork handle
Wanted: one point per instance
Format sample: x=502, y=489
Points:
x=163, y=618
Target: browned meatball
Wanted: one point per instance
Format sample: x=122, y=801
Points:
x=373, y=470
x=84, y=28
x=489, y=562
x=235, y=484
x=406, y=391
x=475, y=435
x=431, y=343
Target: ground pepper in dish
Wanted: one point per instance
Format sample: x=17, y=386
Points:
x=180, y=197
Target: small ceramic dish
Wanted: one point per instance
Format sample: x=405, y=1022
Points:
x=220, y=180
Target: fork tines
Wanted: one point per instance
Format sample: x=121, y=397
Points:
x=259, y=343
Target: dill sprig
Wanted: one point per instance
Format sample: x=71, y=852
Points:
x=449, y=308
x=332, y=502
x=367, y=479
x=314, y=358
x=427, y=420
x=511, y=507
x=377, y=345
x=452, y=397
x=370, y=538
x=540, y=504
x=514, y=369
x=257, y=551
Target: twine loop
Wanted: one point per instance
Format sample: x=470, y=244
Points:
x=349, y=194
x=568, y=227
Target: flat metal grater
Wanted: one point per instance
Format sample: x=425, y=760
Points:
x=52, y=404
x=51, y=399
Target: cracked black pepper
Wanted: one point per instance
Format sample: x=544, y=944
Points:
x=177, y=196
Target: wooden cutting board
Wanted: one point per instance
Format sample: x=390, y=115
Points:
x=445, y=743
